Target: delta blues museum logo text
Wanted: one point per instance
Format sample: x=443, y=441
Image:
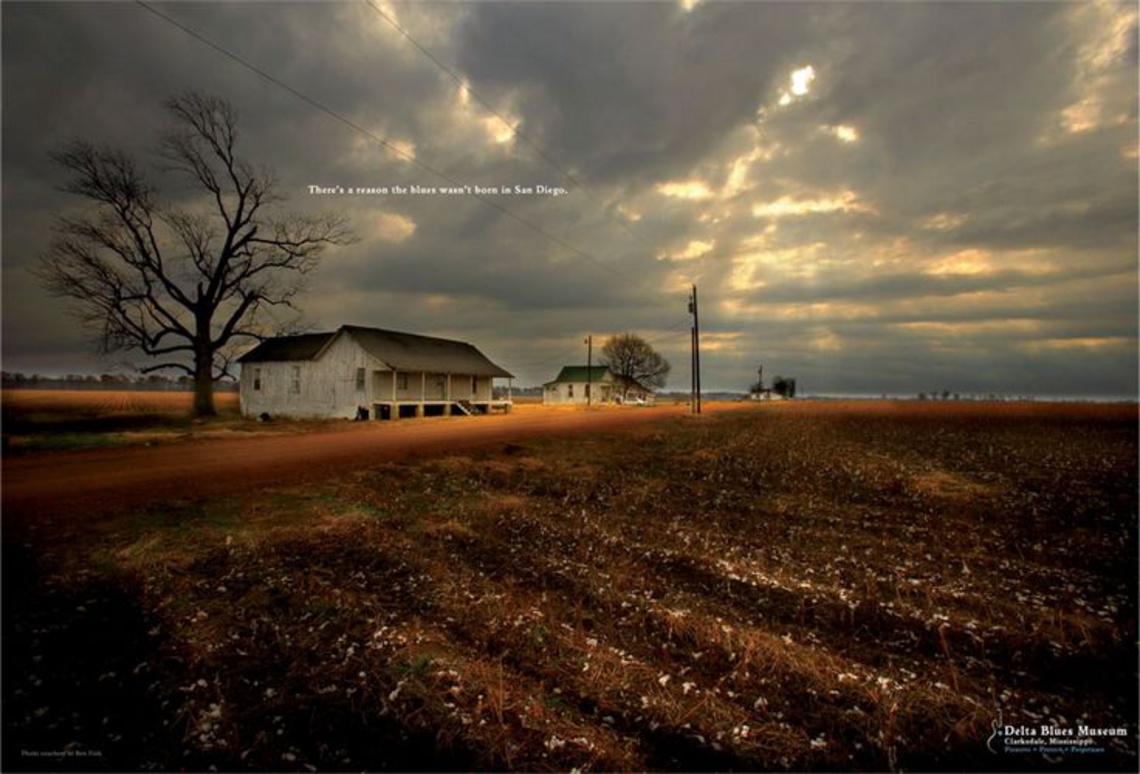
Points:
x=1051, y=740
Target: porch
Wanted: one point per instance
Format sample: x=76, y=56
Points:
x=408, y=409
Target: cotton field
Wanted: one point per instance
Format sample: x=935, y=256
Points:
x=804, y=589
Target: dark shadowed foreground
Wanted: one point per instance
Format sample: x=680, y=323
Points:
x=841, y=586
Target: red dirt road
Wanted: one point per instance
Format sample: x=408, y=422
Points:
x=62, y=485
x=55, y=484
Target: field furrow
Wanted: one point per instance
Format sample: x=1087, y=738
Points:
x=767, y=590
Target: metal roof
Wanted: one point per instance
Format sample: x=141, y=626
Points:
x=303, y=347
x=577, y=375
x=407, y=352
x=583, y=374
x=412, y=352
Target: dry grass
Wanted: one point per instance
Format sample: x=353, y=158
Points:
x=51, y=420
x=830, y=587
x=111, y=402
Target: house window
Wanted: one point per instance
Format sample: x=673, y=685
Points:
x=401, y=381
x=474, y=385
x=257, y=380
x=360, y=380
x=569, y=391
x=295, y=383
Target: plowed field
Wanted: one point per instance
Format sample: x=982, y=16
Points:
x=799, y=586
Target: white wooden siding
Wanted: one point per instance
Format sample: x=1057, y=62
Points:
x=328, y=385
x=604, y=391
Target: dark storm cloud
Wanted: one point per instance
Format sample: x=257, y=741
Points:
x=629, y=92
x=484, y=270
x=838, y=285
x=934, y=82
x=952, y=102
x=955, y=172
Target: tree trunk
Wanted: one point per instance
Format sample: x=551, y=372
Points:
x=204, y=385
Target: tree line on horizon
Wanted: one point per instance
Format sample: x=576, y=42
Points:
x=17, y=379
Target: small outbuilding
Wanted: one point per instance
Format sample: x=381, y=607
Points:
x=593, y=384
x=357, y=372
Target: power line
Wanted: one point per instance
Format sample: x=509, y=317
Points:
x=548, y=360
x=515, y=131
x=396, y=150
x=665, y=334
x=463, y=83
x=376, y=138
x=668, y=332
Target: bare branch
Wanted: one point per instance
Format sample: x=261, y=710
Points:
x=160, y=366
x=170, y=282
x=632, y=359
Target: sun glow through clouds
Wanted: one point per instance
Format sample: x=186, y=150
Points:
x=695, y=249
x=405, y=150
x=944, y=221
x=499, y=132
x=1109, y=32
x=786, y=206
x=964, y=262
x=686, y=189
x=842, y=132
x=391, y=227
x=800, y=85
x=801, y=80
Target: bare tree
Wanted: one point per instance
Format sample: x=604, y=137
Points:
x=633, y=360
x=181, y=284
x=785, y=387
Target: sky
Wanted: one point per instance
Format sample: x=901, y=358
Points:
x=873, y=198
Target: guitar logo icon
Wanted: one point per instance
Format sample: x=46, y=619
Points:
x=995, y=726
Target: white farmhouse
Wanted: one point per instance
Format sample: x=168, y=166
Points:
x=592, y=384
x=367, y=372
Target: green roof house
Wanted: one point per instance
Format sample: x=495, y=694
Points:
x=594, y=385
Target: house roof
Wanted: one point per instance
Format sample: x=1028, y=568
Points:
x=411, y=352
x=303, y=347
x=399, y=351
x=578, y=375
x=583, y=374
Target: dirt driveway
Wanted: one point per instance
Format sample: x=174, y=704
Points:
x=55, y=484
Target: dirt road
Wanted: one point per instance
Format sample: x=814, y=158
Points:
x=53, y=484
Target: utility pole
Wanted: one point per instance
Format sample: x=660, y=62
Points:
x=589, y=370
x=697, y=337
x=692, y=367
x=696, y=352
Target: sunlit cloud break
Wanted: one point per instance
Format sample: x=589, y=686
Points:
x=787, y=206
